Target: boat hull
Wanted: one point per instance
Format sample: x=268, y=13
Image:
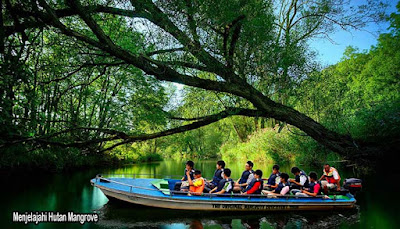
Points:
x=212, y=204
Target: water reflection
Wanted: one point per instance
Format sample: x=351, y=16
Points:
x=119, y=213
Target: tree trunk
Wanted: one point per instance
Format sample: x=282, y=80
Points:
x=341, y=144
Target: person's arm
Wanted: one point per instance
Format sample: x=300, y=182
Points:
x=237, y=182
x=309, y=193
x=183, y=178
x=274, y=186
x=322, y=177
x=294, y=181
x=273, y=193
x=213, y=190
x=221, y=192
x=189, y=178
x=249, y=179
x=337, y=179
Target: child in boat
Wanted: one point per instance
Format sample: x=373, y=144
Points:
x=313, y=189
x=196, y=186
x=246, y=178
x=283, y=186
x=256, y=185
x=183, y=184
x=225, y=185
x=300, y=181
x=273, y=179
x=330, y=179
x=218, y=176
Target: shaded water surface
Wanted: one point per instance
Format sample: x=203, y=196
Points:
x=377, y=205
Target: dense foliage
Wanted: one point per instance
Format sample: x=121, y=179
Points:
x=81, y=88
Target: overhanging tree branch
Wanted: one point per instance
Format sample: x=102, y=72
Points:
x=127, y=138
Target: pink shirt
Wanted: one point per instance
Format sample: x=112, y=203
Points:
x=316, y=188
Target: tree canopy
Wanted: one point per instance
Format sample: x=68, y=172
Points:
x=83, y=73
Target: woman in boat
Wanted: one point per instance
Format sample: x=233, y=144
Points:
x=313, y=189
x=256, y=185
x=225, y=185
x=246, y=178
x=196, y=186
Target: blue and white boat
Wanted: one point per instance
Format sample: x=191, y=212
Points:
x=159, y=193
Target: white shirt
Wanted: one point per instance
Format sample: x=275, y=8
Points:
x=303, y=180
x=335, y=175
x=250, y=178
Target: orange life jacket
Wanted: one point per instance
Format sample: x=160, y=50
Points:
x=199, y=189
x=329, y=175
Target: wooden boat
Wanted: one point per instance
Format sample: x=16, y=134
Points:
x=159, y=193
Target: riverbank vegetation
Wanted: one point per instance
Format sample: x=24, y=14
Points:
x=90, y=83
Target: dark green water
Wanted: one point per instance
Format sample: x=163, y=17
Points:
x=377, y=206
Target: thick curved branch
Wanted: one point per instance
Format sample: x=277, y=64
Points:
x=201, y=121
x=228, y=110
x=235, y=36
x=119, y=135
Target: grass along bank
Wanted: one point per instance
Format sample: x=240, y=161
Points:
x=267, y=145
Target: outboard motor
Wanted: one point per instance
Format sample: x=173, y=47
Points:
x=353, y=185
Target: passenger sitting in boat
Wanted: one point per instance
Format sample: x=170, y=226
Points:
x=300, y=181
x=283, y=186
x=225, y=185
x=313, y=189
x=273, y=179
x=196, y=186
x=246, y=178
x=183, y=184
x=189, y=168
x=256, y=185
x=218, y=176
x=330, y=178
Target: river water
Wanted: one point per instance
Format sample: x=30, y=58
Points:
x=377, y=205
